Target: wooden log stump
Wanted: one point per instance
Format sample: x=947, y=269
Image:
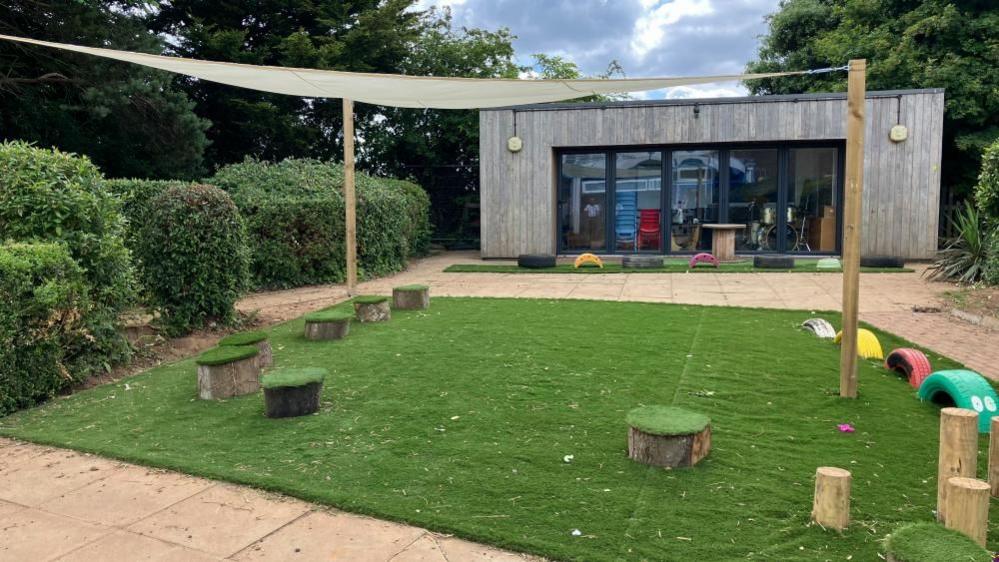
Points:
x=994, y=456
x=968, y=507
x=293, y=392
x=411, y=297
x=265, y=357
x=958, y=451
x=372, y=309
x=831, y=504
x=327, y=325
x=668, y=436
x=228, y=371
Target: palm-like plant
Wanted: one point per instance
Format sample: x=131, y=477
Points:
x=964, y=257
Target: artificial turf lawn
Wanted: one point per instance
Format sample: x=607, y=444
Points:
x=666, y=420
x=243, y=338
x=670, y=265
x=287, y=378
x=226, y=354
x=459, y=418
x=931, y=542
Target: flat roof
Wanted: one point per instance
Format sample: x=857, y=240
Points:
x=709, y=101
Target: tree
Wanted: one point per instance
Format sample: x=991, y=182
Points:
x=129, y=120
x=908, y=44
x=362, y=36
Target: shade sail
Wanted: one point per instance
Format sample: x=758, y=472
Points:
x=395, y=89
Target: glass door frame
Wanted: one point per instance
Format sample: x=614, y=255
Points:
x=666, y=189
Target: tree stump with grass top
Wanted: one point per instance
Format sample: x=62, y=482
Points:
x=968, y=507
x=411, y=297
x=265, y=357
x=372, y=308
x=931, y=541
x=224, y=372
x=668, y=436
x=327, y=325
x=293, y=392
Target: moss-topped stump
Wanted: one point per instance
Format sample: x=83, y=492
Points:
x=372, y=308
x=411, y=297
x=258, y=339
x=293, y=392
x=668, y=436
x=227, y=371
x=931, y=542
x=327, y=325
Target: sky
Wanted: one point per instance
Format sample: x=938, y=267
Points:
x=648, y=37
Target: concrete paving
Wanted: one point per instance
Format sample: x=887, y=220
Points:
x=62, y=505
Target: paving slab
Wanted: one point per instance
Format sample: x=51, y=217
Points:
x=221, y=520
x=32, y=534
x=36, y=479
x=425, y=549
x=322, y=535
x=124, y=546
x=8, y=508
x=128, y=495
x=457, y=549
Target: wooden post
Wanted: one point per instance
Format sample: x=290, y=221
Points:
x=831, y=505
x=968, y=507
x=349, y=200
x=994, y=456
x=958, y=451
x=856, y=95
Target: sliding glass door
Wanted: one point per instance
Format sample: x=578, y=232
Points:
x=784, y=198
x=638, y=185
x=582, y=202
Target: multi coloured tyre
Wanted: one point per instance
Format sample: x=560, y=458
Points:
x=963, y=389
x=910, y=363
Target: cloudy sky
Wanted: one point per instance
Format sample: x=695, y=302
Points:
x=648, y=37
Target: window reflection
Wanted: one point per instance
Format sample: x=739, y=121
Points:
x=752, y=198
x=812, y=194
x=583, y=202
x=695, y=198
x=637, y=203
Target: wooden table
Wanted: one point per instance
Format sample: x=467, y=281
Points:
x=723, y=240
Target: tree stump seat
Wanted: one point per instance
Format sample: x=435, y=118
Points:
x=372, y=308
x=265, y=357
x=668, y=436
x=293, y=392
x=327, y=325
x=411, y=297
x=227, y=371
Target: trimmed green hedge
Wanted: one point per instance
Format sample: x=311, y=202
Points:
x=295, y=219
x=193, y=255
x=44, y=313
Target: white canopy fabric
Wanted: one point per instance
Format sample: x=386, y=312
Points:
x=395, y=89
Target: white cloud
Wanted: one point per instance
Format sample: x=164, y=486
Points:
x=651, y=26
x=721, y=90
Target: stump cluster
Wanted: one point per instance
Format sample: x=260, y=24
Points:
x=411, y=297
x=327, y=325
x=265, y=356
x=228, y=371
x=293, y=392
x=668, y=436
x=372, y=308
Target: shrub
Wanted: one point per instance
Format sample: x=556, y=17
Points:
x=294, y=211
x=44, y=310
x=987, y=190
x=135, y=195
x=192, y=247
x=48, y=195
x=964, y=257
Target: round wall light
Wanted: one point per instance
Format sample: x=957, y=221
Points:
x=514, y=144
x=898, y=133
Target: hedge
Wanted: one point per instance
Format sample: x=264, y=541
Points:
x=987, y=189
x=44, y=313
x=135, y=195
x=48, y=195
x=294, y=212
x=193, y=254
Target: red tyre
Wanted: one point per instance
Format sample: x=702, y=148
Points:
x=911, y=363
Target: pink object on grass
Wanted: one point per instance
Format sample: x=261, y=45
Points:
x=845, y=428
x=703, y=257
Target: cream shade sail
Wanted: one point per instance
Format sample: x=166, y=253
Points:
x=395, y=89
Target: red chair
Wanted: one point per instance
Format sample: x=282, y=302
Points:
x=649, y=228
